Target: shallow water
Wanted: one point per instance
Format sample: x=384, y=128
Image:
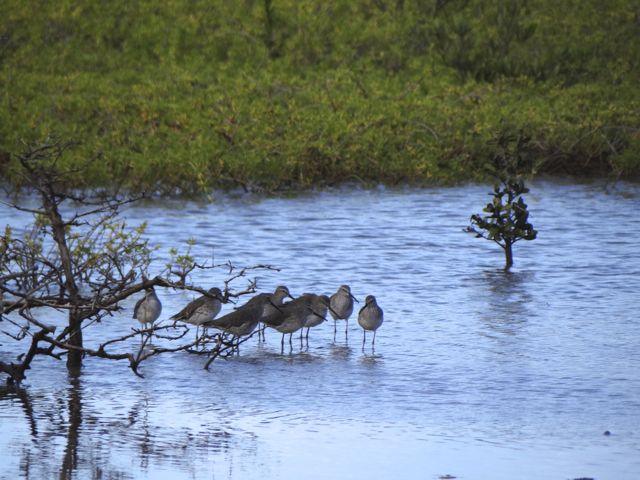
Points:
x=475, y=374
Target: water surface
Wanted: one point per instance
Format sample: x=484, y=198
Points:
x=475, y=374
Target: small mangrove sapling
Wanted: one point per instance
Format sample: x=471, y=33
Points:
x=507, y=219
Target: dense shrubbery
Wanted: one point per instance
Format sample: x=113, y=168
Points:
x=276, y=94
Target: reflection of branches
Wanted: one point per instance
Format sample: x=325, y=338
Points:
x=70, y=459
x=25, y=403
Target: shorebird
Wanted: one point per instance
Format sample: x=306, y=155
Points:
x=148, y=308
x=318, y=308
x=291, y=316
x=271, y=308
x=243, y=320
x=370, y=318
x=201, y=310
x=342, y=307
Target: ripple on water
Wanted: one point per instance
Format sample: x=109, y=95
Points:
x=471, y=362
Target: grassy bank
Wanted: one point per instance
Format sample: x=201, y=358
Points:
x=278, y=94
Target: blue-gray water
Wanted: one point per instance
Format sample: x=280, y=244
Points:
x=476, y=373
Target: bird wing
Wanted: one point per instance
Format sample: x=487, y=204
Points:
x=277, y=317
x=231, y=319
x=137, y=307
x=187, y=311
x=249, y=312
x=273, y=318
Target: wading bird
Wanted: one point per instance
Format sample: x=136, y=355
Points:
x=243, y=320
x=342, y=307
x=271, y=308
x=291, y=316
x=370, y=318
x=201, y=310
x=319, y=306
x=148, y=308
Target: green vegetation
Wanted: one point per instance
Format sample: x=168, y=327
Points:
x=190, y=95
x=84, y=261
x=507, y=217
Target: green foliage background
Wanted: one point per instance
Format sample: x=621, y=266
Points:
x=276, y=94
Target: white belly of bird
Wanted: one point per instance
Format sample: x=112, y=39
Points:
x=201, y=315
x=149, y=311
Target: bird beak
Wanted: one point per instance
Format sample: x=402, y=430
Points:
x=351, y=295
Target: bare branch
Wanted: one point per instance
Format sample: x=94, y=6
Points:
x=22, y=209
x=16, y=371
x=85, y=264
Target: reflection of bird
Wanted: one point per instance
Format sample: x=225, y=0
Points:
x=271, y=308
x=148, y=308
x=370, y=318
x=342, y=307
x=202, y=309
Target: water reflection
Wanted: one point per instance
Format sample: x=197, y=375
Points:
x=507, y=300
x=139, y=416
x=471, y=362
x=371, y=359
x=24, y=399
x=89, y=437
x=74, y=413
x=340, y=352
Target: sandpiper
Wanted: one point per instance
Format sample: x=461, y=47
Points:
x=342, y=307
x=271, y=308
x=291, y=316
x=148, y=308
x=319, y=306
x=202, y=309
x=243, y=320
x=370, y=318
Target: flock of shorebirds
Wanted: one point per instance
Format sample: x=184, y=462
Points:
x=267, y=309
